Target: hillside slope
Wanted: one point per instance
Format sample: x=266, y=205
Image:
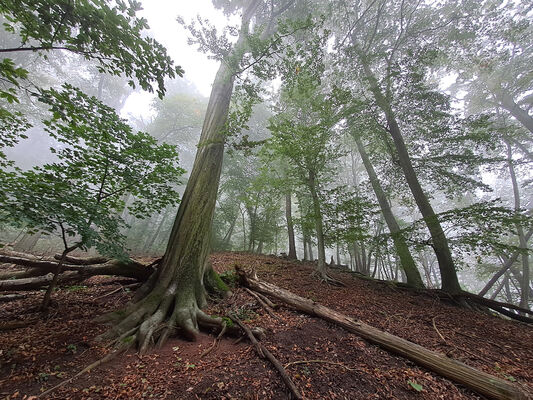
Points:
x=324, y=361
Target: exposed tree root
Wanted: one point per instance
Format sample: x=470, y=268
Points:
x=264, y=353
x=215, y=342
x=326, y=278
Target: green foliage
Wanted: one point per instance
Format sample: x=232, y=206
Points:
x=229, y=277
x=95, y=29
x=482, y=228
x=415, y=386
x=98, y=160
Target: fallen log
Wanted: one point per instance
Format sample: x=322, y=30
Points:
x=78, y=273
x=479, y=381
x=494, y=303
x=83, y=260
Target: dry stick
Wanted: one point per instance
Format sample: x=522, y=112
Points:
x=263, y=304
x=266, y=300
x=118, y=290
x=483, y=383
x=264, y=353
x=95, y=364
x=436, y=330
x=320, y=362
x=476, y=356
x=222, y=331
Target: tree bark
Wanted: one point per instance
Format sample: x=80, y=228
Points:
x=317, y=214
x=524, y=284
x=406, y=259
x=481, y=382
x=174, y=296
x=290, y=226
x=507, y=102
x=450, y=283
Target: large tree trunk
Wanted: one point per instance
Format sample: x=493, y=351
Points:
x=450, y=283
x=290, y=226
x=406, y=259
x=481, y=382
x=174, y=297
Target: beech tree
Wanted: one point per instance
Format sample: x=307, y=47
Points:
x=174, y=295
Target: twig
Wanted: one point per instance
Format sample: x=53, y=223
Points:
x=436, y=330
x=320, y=362
x=117, y=290
x=263, y=304
x=459, y=348
x=86, y=369
x=224, y=327
x=264, y=353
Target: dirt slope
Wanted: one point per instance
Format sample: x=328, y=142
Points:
x=338, y=365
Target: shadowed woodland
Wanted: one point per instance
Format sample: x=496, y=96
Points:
x=347, y=215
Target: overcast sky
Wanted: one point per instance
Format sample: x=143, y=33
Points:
x=161, y=16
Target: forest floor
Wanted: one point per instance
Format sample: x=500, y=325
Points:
x=324, y=361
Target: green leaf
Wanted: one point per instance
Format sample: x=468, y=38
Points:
x=415, y=386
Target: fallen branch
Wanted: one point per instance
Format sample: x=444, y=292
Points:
x=12, y=297
x=95, y=364
x=479, y=381
x=263, y=304
x=264, y=353
x=215, y=342
x=320, y=362
x=11, y=326
x=493, y=303
x=78, y=273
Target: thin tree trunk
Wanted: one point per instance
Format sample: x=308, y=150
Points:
x=317, y=213
x=406, y=259
x=148, y=246
x=507, y=102
x=27, y=242
x=449, y=280
x=290, y=226
x=524, y=284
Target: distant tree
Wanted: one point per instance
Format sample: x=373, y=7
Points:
x=303, y=133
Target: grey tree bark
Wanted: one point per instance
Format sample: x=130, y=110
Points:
x=450, y=282
x=407, y=262
x=174, y=295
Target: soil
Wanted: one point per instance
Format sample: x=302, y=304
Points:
x=324, y=361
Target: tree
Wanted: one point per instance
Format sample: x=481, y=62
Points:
x=406, y=259
x=303, y=133
x=98, y=159
x=175, y=294
x=95, y=141
x=378, y=39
